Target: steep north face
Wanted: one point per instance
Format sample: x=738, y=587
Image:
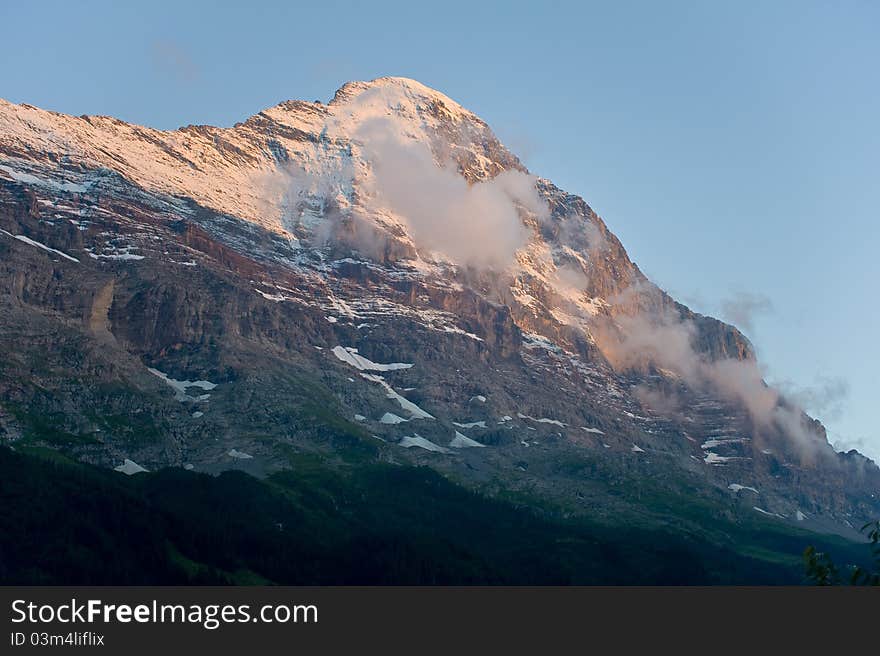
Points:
x=377, y=276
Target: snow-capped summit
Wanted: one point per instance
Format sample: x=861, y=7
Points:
x=385, y=161
x=230, y=169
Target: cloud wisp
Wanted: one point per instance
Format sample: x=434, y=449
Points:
x=666, y=341
x=382, y=168
x=171, y=59
x=742, y=308
x=473, y=224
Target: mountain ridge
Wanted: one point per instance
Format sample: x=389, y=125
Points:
x=629, y=273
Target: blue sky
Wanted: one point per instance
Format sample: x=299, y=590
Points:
x=733, y=147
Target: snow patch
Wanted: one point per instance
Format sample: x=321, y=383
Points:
x=350, y=356
x=713, y=458
x=473, y=424
x=27, y=178
x=419, y=441
x=238, y=455
x=277, y=298
x=414, y=411
x=115, y=256
x=129, y=467
x=391, y=418
x=180, y=386
x=459, y=331
x=721, y=441
x=31, y=242
x=736, y=487
x=543, y=420
x=464, y=442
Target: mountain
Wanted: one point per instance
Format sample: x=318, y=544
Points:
x=377, y=279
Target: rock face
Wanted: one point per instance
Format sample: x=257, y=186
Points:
x=173, y=297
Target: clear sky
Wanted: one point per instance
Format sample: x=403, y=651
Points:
x=733, y=147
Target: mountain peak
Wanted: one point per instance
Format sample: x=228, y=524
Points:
x=394, y=85
x=398, y=97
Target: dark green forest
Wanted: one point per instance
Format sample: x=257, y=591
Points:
x=65, y=522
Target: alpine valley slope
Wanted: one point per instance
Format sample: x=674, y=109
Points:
x=375, y=276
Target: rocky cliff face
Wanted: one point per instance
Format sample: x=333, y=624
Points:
x=380, y=272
